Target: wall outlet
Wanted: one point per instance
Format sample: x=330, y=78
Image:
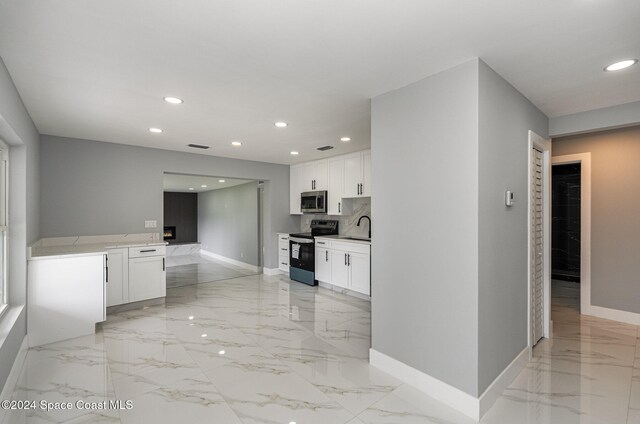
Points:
x=241, y=255
x=151, y=224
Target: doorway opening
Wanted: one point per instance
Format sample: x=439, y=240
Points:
x=213, y=228
x=566, y=234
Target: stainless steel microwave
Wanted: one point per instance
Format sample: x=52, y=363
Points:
x=313, y=202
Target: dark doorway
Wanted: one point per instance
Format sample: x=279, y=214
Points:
x=565, y=227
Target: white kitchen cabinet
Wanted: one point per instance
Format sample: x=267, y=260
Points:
x=295, y=188
x=322, y=261
x=344, y=264
x=147, y=278
x=339, y=268
x=283, y=252
x=360, y=272
x=357, y=174
x=117, y=276
x=66, y=297
x=313, y=176
x=336, y=204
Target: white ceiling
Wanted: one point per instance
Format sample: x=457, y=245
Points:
x=99, y=69
x=182, y=183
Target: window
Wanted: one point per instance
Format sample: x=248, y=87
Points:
x=4, y=197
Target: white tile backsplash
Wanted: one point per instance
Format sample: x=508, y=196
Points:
x=347, y=224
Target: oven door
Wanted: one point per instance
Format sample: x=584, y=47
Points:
x=302, y=253
x=313, y=202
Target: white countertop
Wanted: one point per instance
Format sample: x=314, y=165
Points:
x=84, y=246
x=345, y=239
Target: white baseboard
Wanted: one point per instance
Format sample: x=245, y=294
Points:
x=461, y=401
x=613, y=314
x=445, y=393
x=506, y=377
x=230, y=261
x=271, y=271
x=14, y=374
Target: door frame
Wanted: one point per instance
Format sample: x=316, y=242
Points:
x=544, y=145
x=584, y=159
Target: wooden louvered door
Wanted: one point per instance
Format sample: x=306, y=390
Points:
x=537, y=246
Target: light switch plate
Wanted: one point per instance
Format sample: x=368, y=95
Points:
x=151, y=224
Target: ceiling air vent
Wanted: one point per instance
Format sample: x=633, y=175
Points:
x=198, y=146
x=323, y=148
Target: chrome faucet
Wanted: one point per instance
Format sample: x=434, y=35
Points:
x=365, y=216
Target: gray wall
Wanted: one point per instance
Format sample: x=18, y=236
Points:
x=615, y=208
x=18, y=130
x=506, y=116
x=425, y=252
x=228, y=222
x=90, y=187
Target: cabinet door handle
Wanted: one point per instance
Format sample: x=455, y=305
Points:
x=163, y=265
x=345, y=259
x=339, y=206
x=107, y=271
x=326, y=256
x=348, y=260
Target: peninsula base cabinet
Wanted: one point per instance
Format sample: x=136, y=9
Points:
x=117, y=276
x=343, y=264
x=66, y=297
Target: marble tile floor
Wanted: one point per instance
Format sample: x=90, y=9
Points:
x=184, y=270
x=258, y=349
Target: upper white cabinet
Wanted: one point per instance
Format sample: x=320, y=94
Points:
x=314, y=176
x=295, y=188
x=335, y=203
x=357, y=174
x=347, y=176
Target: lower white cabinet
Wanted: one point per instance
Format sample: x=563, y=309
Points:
x=344, y=264
x=135, y=273
x=283, y=252
x=147, y=278
x=323, y=264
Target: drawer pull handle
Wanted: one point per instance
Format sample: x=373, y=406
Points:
x=147, y=250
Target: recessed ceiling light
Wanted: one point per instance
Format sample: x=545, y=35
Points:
x=221, y=181
x=621, y=65
x=191, y=317
x=191, y=188
x=294, y=153
x=173, y=100
x=203, y=186
x=280, y=124
x=222, y=352
x=203, y=335
x=236, y=143
x=345, y=139
x=155, y=130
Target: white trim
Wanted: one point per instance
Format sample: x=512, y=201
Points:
x=615, y=314
x=14, y=374
x=271, y=271
x=506, y=377
x=545, y=146
x=445, y=393
x=230, y=261
x=584, y=159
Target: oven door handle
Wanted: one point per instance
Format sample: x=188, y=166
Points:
x=300, y=240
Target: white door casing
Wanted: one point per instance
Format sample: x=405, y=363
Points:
x=537, y=246
x=543, y=146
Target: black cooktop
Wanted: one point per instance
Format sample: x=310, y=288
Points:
x=320, y=227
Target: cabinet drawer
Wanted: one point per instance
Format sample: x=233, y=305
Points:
x=143, y=251
x=283, y=247
x=283, y=260
x=351, y=247
x=283, y=238
x=322, y=243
